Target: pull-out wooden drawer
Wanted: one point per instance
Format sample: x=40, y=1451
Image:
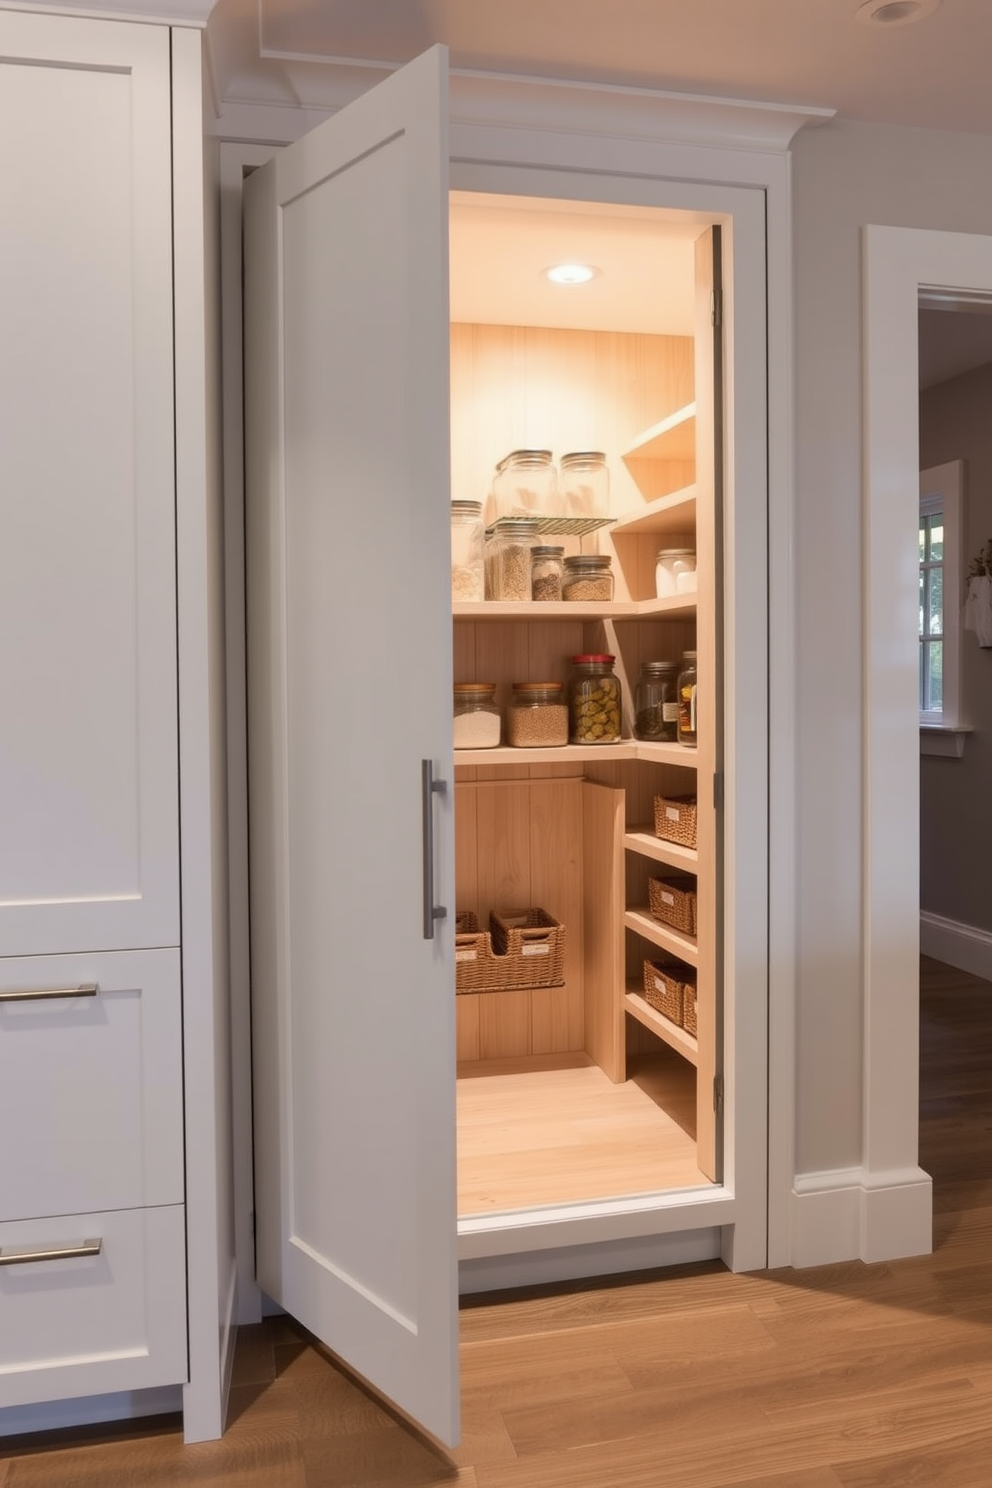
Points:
x=111, y=1316
x=90, y=1083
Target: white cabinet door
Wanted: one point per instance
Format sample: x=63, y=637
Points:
x=88, y=775
x=349, y=693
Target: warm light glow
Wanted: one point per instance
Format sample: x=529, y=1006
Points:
x=570, y=273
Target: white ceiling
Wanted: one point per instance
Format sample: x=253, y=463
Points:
x=932, y=73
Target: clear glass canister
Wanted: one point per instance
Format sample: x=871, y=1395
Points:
x=508, y=552
x=675, y=572
x=585, y=484
x=687, y=699
x=538, y=715
x=476, y=723
x=656, y=705
x=588, y=577
x=546, y=572
x=526, y=485
x=594, y=701
x=468, y=542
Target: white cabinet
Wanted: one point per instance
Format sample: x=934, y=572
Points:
x=103, y=624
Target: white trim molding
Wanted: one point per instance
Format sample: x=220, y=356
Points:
x=967, y=947
x=850, y=1214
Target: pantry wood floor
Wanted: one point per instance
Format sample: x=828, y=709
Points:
x=847, y=1376
x=557, y=1130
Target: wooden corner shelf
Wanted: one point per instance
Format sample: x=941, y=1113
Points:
x=672, y=438
x=643, y=841
x=681, y=945
x=637, y=1005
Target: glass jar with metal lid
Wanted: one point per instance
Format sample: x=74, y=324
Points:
x=594, y=700
x=508, y=551
x=656, y=705
x=585, y=484
x=587, y=577
x=526, y=485
x=675, y=572
x=537, y=716
x=476, y=722
x=687, y=699
x=468, y=542
x=546, y=569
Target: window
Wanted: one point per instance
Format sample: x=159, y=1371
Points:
x=940, y=595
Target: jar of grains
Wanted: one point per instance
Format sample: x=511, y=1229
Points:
x=589, y=577
x=468, y=542
x=526, y=485
x=656, y=706
x=594, y=701
x=675, y=572
x=538, y=715
x=585, y=484
x=476, y=722
x=545, y=572
x=687, y=699
x=508, y=561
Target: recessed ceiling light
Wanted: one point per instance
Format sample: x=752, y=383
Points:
x=570, y=273
x=894, y=12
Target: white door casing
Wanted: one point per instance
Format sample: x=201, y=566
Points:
x=346, y=351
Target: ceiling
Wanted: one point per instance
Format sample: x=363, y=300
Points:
x=932, y=73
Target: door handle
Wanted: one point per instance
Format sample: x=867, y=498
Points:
x=429, y=788
x=36, y=994
x=68, y=1252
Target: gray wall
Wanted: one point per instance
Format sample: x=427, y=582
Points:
x=845, y=176
x=956, y=794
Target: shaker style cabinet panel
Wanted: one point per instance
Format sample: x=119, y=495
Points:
x=88, y=773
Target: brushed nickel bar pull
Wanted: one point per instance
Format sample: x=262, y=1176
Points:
x=36, y=994
x=68, y=1252
x=429, y=786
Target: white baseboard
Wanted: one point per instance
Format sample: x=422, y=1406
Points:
x=850, y=1215
x=966, y=947
x=90, y=1410
x=644, y=1253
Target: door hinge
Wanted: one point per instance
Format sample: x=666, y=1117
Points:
x=718, y=1094
x=716, y=308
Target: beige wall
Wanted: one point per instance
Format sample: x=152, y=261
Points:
x=845, y=176
x=956, y=794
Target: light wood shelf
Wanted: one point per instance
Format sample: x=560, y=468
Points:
x=664, y=936
x=675, y=512
x=643, y=841
x=675, y=606
x=673, y=438
x=637, y=1005
x=569, y=754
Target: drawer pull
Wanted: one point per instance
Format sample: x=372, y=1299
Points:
x=35, y=994
x=68, y=1252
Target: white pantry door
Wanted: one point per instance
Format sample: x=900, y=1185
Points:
x=349, y=686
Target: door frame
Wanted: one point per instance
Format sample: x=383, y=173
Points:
x=901, y=266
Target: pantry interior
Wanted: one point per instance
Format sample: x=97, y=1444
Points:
x=584, y=1091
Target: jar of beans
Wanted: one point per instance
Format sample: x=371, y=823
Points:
x=588, y=577
x=545, y=572
x=594, y=701
x=508, y=561
x=537, y=716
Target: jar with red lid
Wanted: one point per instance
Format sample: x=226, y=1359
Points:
x=594, y=700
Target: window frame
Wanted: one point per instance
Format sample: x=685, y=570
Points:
x=942, y=489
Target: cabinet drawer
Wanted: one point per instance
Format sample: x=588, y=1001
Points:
x=92, y=1324
x=90, y=1084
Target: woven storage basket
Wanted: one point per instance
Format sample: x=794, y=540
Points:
x=663, y=989
x=675, y=819
x=672, y=900
x=522, y=948
x=689, y=1006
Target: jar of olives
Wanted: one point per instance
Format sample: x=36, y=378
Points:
x=594, y=701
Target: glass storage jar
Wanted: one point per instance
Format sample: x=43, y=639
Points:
x=526, y=485
x=675, y=572
x=545, y=572
x=468, y=542
x=585, y=484
x=656, y=705
x=476, y=723
x=508, y=552
x=538, y=715
x=594, y=701
x=687, y=699
x=587, y=577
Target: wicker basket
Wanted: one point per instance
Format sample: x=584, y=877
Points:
x=521, y=948
x=663, y=988
x=689, y=1006
x=672, y=900
x=675, y=819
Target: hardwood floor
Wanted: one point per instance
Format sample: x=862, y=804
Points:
x=847, y=1376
